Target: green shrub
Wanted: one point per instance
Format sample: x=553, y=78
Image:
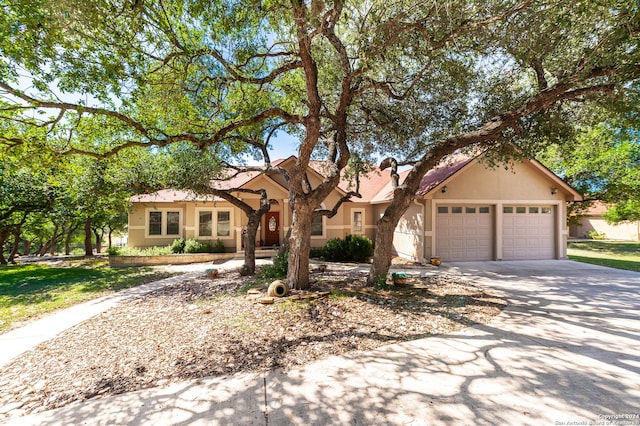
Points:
x=113, y=251
x=316, y=252
x=360, y=248
x=277, y=270
x=595, y=235
x=177, y=246
x=218, y=247
x=148, y=251
x=195, y=246
x=356, y=248
x=78, y=252
x=336, y=250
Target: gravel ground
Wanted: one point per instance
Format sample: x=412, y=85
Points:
x=209, y=326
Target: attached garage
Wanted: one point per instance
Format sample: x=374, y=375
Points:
x=528, y=232
x=465, y=232
x=466, y=210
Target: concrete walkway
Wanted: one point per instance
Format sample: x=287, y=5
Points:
x=567, y=349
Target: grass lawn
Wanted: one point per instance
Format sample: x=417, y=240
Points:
x=27, y=291
x=614, y=254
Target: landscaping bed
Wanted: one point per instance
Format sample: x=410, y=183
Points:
x=207, y=326
x=168, y=259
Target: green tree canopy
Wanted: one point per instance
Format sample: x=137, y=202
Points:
x=603, y=162
x=414, y=79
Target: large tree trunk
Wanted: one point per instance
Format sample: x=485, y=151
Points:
x=384, y=240
x=299, y=246
x=110, y=238
x=253, y=222
x=88, y=247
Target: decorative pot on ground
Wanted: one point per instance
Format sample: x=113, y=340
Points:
x=278, y=288
x=436, y=261
x=399, y=278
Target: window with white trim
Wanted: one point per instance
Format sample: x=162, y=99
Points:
x=212, y=222
x=205, y=223
x=164, y=223
x=318, y=225
x=223, y=220
x=317, y=228
x=357, y=220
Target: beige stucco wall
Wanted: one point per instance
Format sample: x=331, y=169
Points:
x=408, y=237
x=629, y=231
x=137, y=223
x=519, y=183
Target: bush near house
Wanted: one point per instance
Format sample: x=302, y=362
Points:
x=178, y=246
x=195, y=246
x=595, y=235
x=355, y=248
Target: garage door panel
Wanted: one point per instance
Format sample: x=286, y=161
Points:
x=529, y=234
x=466, y=234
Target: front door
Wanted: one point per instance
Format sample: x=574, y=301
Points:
x=272, y=228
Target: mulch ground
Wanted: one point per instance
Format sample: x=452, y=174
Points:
x=208, y=326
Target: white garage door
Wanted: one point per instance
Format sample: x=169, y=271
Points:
x=464, y=232
x=528, y=232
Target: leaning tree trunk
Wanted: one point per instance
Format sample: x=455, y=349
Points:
x=384, y=238
x=67, y=240
x=16, y=244
x=3, y=238
x=88, y=247
x=300, y=246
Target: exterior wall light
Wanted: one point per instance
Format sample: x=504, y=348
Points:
x=444, y=189
x=554, y=191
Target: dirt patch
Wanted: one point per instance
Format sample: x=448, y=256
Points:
x=204, y=327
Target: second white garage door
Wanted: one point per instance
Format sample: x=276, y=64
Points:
x=528, y=232
x=464, y=232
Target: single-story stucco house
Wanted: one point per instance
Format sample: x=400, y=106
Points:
x=593, y=221
x=463, y=211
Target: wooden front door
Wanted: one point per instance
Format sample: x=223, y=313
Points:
x=272, y=228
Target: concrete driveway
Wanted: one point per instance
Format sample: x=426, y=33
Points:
x=566, y=350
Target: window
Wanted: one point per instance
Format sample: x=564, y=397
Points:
x=443, y=209
x=357, y=220
x=173, y=223
x=533, y=210
x=470, y=210
x=224, y=224
x=213, y=222
x=163, y=222
x=507, y=210
x=316, y=226
x=456, y=209
x=521, y=210
x=546, y=210
x=205, y=224
x=484, y=210
x=155, y=223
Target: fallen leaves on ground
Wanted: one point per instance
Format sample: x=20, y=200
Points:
x=203, y=327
